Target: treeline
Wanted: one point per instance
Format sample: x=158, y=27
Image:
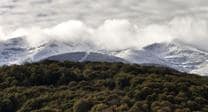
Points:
x=51, y=86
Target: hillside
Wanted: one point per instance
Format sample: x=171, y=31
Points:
x=180, y=56
x=51, y=86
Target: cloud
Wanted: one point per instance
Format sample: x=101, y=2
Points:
x=46, y=13
x=107, y=24
x=120, y=34
x=2, y=35
x=191, y=30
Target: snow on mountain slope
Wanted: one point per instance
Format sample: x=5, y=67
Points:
x=176, y=55
x=17, y=50
x=11, y=51
x=201, y=69
x=173, y=54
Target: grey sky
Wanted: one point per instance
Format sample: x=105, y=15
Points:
x=22, y=13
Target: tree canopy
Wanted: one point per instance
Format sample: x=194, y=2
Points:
x=51, y=86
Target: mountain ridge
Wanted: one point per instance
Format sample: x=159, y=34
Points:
x=173, y=54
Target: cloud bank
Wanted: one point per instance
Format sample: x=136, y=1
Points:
x=119, y=34
x=106, y=24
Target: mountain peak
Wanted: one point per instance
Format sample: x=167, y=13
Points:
x=175, y=54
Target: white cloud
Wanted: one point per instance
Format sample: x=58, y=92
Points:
x=107, y=24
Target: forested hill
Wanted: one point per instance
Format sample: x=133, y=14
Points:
x=50, y=86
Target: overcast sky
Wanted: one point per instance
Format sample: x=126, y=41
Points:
x=20, y=13
x=133, y=22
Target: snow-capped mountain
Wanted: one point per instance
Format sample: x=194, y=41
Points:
x=18, y=51
x=175, y=55
x=11, y=51
x=172, y=54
